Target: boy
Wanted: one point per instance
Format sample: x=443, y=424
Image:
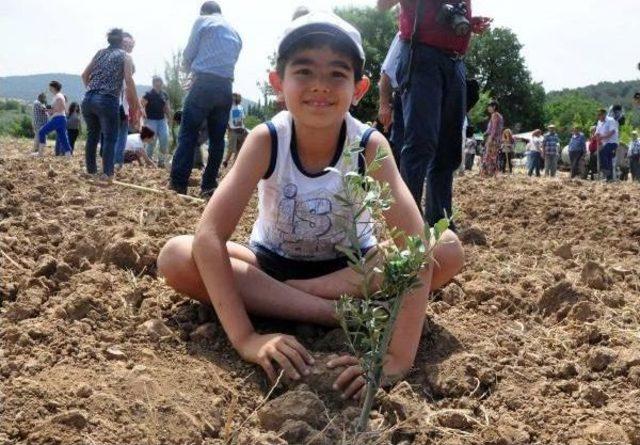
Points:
x=134, y=149
x=292, y=269
x=237, y=133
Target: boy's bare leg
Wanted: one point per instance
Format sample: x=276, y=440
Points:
x=261, y=294
x=448, y=256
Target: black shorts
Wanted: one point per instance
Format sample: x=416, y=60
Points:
x=283, y=269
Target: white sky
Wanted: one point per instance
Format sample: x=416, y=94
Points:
x=567, y=43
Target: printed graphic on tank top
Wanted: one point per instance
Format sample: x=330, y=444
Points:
x=299, y=215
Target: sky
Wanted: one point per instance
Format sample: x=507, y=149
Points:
x=567, y=43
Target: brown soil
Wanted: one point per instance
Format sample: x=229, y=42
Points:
x=536, y=342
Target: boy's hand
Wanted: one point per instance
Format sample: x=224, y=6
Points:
x=352, y=383
x=285, y=350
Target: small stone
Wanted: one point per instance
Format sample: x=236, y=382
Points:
x=73, y=418
x=474, y=236
x=456, y=420
x=565, y=252
x=584, y=311
x=296, y=431
x=139, y=369
x=46, y=266
x=206, y=332
x=594, y=276
x=91, y=212
x=605, y=432
x=156, y=328
x=595, y=396
x=24, y=340
x=148, y=353
x=600, y=358
x=84, y=391
x=114, y=353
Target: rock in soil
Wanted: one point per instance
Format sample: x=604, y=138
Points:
x=305, y=406
x=594, y=276
x=600, y=358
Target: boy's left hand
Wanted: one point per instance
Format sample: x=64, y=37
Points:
x=351, y=381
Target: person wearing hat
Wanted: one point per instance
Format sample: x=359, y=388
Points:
x=577, y=150
x=634, y=156
x=210, y=57
x=608, y=133
x=551, y=145
x=156, y=110
x=293, y=267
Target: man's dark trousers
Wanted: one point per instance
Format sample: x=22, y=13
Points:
x=575, y=157
x=208, y=100
x=434, y=104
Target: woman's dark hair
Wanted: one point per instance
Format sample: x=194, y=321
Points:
x=146, y=133
x=55, y=85
x=74, y=108
x=494, y=104
x=114, y=37
x=209, y=8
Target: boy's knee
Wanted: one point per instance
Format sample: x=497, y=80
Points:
x=452, y=252
x=169, y=260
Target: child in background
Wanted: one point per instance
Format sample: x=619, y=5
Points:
x=57, y=122
x=74, y=124
x=291, y=268
x=134, y=149
x=236, y=133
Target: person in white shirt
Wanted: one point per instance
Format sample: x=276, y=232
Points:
x=134, y=149
x=57, y=122
x=237, y=132
x=390, y=105
x=607, y=132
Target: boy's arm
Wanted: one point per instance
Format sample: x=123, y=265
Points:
x=210, y=254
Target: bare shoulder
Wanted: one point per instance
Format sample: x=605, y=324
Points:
x=377, y=142
x=255, y=156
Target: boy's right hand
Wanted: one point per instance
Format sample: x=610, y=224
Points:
x=285, y=350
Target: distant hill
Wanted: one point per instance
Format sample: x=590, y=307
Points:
x=27, y=88
x=606, y=93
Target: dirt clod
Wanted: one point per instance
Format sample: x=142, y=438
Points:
x=594, y=276
x=293, y=405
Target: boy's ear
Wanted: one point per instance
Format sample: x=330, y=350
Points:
x=362, y=86
x=276, y=84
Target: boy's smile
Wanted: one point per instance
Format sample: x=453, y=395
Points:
x=319, y=86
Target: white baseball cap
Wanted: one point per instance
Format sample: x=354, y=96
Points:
x=321, y=23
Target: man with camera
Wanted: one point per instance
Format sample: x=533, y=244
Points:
x=435, y=35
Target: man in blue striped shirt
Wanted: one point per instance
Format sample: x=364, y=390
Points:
x=210, y=57
x=551, y=143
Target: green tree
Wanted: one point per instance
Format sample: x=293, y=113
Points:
x=495, y=60
x=571, y=109
x=175, y=78
x=377, y=29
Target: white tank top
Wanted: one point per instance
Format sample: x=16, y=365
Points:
x=299, y=217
